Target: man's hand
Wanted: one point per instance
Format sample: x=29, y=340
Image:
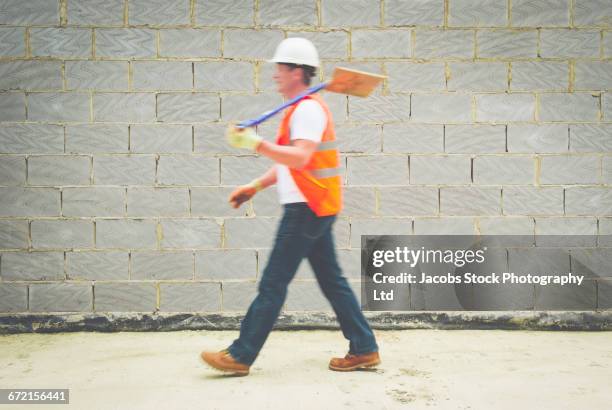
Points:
x=243, y=137
x=244, y=193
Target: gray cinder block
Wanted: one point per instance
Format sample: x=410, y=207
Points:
x=32, y=266
x=97, y=265
x=381, y=43
x=57, y=234
x=125, y=297
x=93, y=201
x=59, y=170
x=125, y=43
x=190, y=297
x=29, y=202
x=159, y=12
x=126, y=233
x=61, y=297
x=60, y=42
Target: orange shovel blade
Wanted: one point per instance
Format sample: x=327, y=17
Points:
x=353, y=82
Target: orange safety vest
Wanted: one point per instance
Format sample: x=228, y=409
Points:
x=320, y=180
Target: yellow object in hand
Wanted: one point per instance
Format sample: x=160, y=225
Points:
x=243, y=137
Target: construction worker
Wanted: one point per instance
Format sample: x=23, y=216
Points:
x=307, y=175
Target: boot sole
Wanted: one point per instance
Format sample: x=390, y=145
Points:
x=357, y=366
x=232, y=371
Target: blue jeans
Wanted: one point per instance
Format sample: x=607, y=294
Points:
x=301, y=234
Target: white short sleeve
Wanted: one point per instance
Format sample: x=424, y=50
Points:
x=308, y=121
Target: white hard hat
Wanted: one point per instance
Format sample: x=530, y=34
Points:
x=296, y=50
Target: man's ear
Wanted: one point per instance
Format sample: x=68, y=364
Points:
x=298, y=74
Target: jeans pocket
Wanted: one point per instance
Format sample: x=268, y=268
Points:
x=314, y=226
x=291, y=223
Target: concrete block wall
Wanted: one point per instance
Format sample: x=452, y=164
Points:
x=496, y=117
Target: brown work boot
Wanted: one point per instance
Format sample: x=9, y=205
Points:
x=224, y=361
x=354, y=362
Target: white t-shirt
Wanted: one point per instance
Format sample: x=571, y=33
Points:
x=307, y=122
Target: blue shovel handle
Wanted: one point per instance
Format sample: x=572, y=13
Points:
x=268, y=114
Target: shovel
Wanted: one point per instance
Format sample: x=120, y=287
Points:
x=344, y=81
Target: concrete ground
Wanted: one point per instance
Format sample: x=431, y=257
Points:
x=432, y=369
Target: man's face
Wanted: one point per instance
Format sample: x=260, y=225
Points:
x=286, y=79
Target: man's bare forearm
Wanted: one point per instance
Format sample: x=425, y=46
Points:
x=291, y=156
x=269, y=177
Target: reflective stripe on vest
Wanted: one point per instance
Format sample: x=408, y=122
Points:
x=325, y=172
x=327, y=145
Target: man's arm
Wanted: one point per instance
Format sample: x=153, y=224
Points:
x=268, y=178
x=245, y=192
x=295, y=156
